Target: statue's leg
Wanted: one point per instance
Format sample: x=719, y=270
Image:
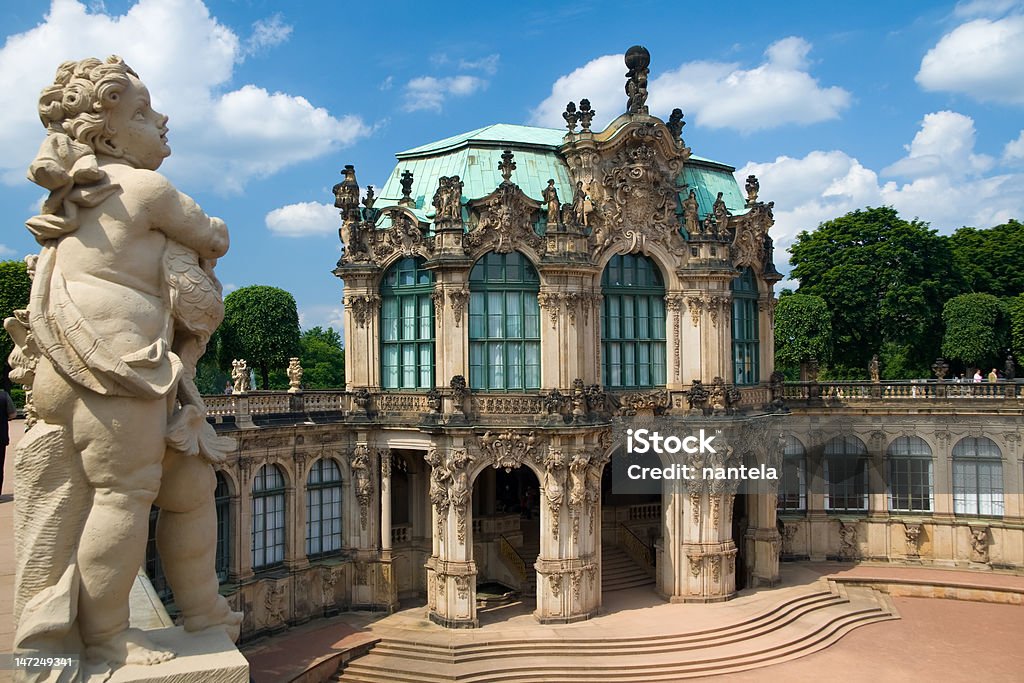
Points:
x=121, y=444
x=186, y=536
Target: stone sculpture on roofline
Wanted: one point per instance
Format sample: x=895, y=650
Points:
x=123, y=302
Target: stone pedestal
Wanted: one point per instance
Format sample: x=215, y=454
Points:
x=206, y=657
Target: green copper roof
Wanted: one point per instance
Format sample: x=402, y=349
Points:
x=474, y=157
x=707, y=179
x=497, y=134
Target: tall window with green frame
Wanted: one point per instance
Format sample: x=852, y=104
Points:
x=633, y=324
x=746, y=346
x=504, y=323
x=407, y=326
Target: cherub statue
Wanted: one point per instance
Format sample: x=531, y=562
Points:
x=240, y=376
x=294, y=376
x=123, y=302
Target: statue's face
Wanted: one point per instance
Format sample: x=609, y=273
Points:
x=140, y=133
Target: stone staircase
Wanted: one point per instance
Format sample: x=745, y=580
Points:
x=799, y=623
x=619, y=571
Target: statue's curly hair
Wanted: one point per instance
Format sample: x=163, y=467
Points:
x=80, y=97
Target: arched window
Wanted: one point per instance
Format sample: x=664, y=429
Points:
x=793, y=483
x=633, y=324
x=846, y=474
x=977, y=477
x=504, y=323
x=222, y=501
x=268, y=523
x=323, y=508
x=745, y=341
x=910, y=475
x=407, y=326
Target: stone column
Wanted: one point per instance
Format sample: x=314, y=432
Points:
x=362, y=322
x=243, y=532
x=451, y=571
x=365, y=503
x=568, y=582
x=817, y=517
x=675, y=314
x=385, y=506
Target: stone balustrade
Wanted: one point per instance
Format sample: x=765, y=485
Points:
x=393, y=404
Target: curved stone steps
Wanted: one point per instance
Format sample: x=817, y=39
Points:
x=795, y=628
x=620, y=572
x=459, y=654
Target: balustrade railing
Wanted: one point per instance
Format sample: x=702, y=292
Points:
x=400, y=533
x=903, y=390
x=641, y=553
x=392, y=403
x=645, y=511
x=512, y=558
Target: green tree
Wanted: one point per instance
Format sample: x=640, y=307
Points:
x=976, y=329
x=988, y=260
x=15, y=286
x=885, y=280
x=1015, y=313
x=803, y=330
x=323, y=361
x=261, y=325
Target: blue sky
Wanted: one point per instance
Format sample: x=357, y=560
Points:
x=835, y=106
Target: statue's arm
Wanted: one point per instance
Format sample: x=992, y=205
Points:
x=178, y=216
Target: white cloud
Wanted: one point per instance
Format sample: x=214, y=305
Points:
x=827, y=184
x=944, y=144
x=779, y=91
x=302, y=219
x=187, y=59
x=816, y=188
x=6, y=250
x=983, y=59
x=428, y=92
x=984, y=8
x=267, y=33
x=599, y=80
x=488, y=64
x=387, y=83
x=1014, y=149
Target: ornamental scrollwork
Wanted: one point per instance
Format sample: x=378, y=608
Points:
x=363, y=307
x=506, y=219
x=507, y=450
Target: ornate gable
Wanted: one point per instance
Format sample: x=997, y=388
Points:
x=504, y=218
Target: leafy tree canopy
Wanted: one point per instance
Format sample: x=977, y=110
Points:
x=323, y=361
x=885, y=280
x=261, y=325
x=976, y=330
x=989, y=260
x=803, y=330
x=15, y=286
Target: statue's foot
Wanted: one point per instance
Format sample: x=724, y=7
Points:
x=130, y=646
x=219, y=616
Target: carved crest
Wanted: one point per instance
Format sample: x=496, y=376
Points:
x=405, y=236
x=506, y=219
x=510, y=449
x=635, y=184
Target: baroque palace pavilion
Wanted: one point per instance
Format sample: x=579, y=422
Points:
x=512, y=296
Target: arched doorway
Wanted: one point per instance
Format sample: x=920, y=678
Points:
x=507, y=537
x=631, y=528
